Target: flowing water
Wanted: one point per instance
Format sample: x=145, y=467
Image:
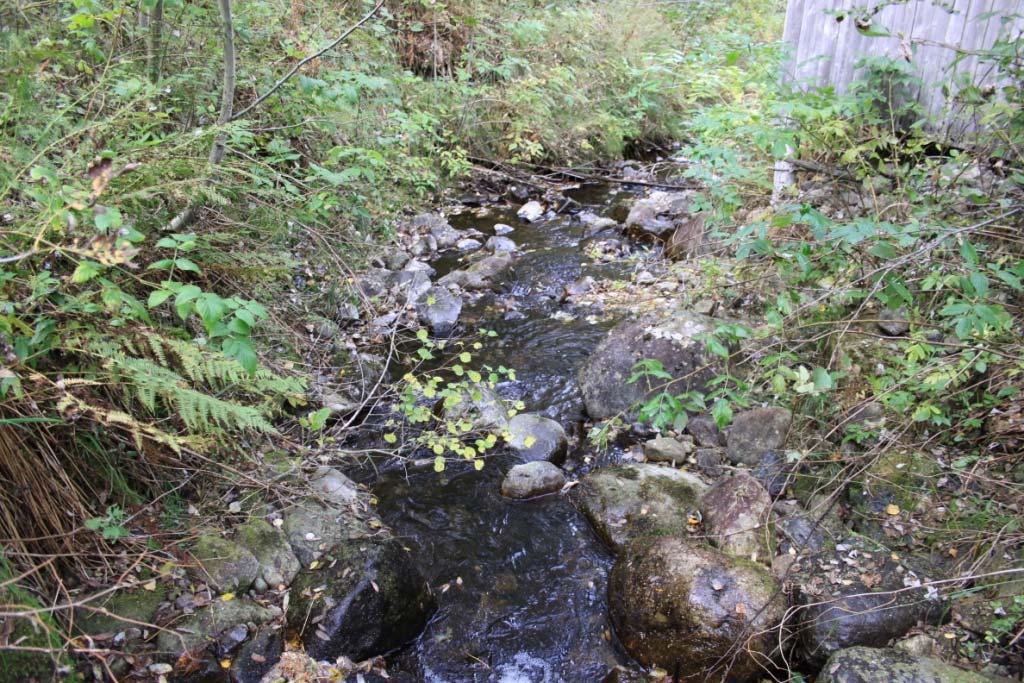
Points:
x=520, y=585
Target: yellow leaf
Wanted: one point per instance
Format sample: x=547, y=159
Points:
x=150, y=585
x=225, y=663
x=390, y=438
x=314, y=564
x=227, y=597
x=478, y=464
x=892, y=509
x=529, y=441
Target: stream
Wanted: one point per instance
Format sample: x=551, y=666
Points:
x=521, y=586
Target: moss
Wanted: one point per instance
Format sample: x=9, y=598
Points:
x=21, y=666
x=138, y=605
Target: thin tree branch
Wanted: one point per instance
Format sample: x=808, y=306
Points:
x=259, y=100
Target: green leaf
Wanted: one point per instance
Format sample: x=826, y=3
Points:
x=822, y=380
x=158, y=296
x=439, y=464
x=85, y=271
x=186, y=264
x=721, y=411
x=241, y=350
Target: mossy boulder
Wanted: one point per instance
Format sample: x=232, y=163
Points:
x=117, y=611
x=278, y=564
x=884, y=665
x=694, y=610
x=367, y=599
x=224, y=564
x=637, y=500
x=900, y=477
x=676, y=340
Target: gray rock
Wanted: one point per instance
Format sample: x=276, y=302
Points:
x=313, y=529
x=694, y=610
x=667, y=449
x=637, y=500
x=334, y=487
x=709, y=462
x=396, y=259
x=278, y=563
x=437, y=226
x=677, y=340
x=886, y=665
x=894, y=323
x=439, y=310
x=537, y=438
x=594, y=225
x=579, y=287
x=531, y=211
x=736, y=511
x=773, y=471
x=532, y=479
x=193, y=632
x=705, y=432
x=656, y=214
x=374, y=282
x=408, y=285
x=346, y=314
x=858, y=594
x=468, y=244
x=225, y=565
x=501, y=244
x=645, y=277
x=503, y=229
x=755, y=432
x=485, y=411
x=480, y=275
x=415, y=266
x=423, y=246
x=367, y=599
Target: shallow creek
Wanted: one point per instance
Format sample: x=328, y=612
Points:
x=526, y=581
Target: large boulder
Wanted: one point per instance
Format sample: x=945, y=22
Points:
x=365, y=599
x=481, y=407
x=632, y=501
x=860, y=593
x=756, y=432
x=532, y=479
x=885, y=665
x=313, y=529
x=482, y=274
x=657, y=214
x=736, y=511
x=439, y=310
x=694, y=610
x=437, y=226
x=676, y=340
x=535, y=437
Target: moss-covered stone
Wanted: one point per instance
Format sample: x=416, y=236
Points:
x=193, y=632
x=633, y=501
x=694, y=610
x=224, y=564
x=903, y=478
x=19, y=666
x=277, y=563
x=884, y=665
x=120, y=610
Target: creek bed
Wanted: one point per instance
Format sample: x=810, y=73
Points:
x=521, y=586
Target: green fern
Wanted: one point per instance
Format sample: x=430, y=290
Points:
x=169, y=376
